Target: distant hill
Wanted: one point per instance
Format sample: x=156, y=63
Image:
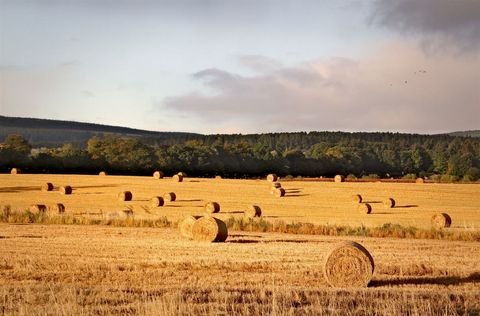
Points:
x=466, y=133
x=52, y=133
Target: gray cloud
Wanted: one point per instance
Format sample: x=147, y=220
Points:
x=436, y=22
x=395, y=88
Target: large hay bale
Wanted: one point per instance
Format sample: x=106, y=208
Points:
x=38, y=208
x=339, y=178
x=186, y=226
x=280, y=192
x=357, y=198
x=158, y=174
x=157, y=201
x=212, y=207
x=218, y=177
x=253, y=211
x=102, y=173
x=183, y=174
x=56, y=208
x=209, y=229
x=420, y=180
x=441, y=220
x=364, y=208
x=15, y=171
x=125, y=196
x=272, y=177
x=48, y=186
x=348, y=264
x=177, y=178
x=389, y=203
x=276, y=185
x=170, y=196
x=66, y=190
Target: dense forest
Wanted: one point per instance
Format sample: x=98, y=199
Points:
x=314, y=154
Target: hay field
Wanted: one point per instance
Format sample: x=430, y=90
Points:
x=305, y=201
x=102, y=270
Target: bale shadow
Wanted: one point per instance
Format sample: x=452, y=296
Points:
x=296, y=195
x=406, y=206
x=243, y=235
x=193, y=200
x=386, y=213
x=447, y=280
x=233, y=212
x=90, y=193
x=19, y=189
x=243, y=241
x=193, y=181
x=372, y=202
x=292, y=191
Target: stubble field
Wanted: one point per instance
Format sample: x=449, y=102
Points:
x=97, y=269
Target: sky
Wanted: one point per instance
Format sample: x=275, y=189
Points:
x=244, y=66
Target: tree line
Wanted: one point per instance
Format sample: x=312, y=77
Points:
x=311, y=154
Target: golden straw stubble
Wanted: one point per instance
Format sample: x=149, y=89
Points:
x=209, y=229
x=56, y=208
x=66, y=190
x=364, y=208
x=170, y=196
x=186, y=225
x=157, y=201
x=48, y=186
x=212, y=207
x=253, y=211
x=441, y=220
x=348, y=265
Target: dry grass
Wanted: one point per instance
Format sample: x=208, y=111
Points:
x=148, y=271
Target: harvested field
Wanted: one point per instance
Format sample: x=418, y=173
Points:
x=304, y=201
x=149, y=271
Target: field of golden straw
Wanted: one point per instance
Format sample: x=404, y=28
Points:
x=106, y=256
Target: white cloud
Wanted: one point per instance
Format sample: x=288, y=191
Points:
x=394, y=88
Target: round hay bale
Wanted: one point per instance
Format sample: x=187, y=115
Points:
x=56, y=208
x=272, y=177
x=157, y=201
x=212, y=207
x=158, y=175
x=420, y=180
x=253, y=211
x=348, y=264
x=125, y=196
x=276, y=185
x=177, y=178
x=218, y=177
x=15, y=171
x=66, y=190
x=48, y=186
x=339, y=178
x=38, y=208
x=186, y=226
x=389, y=203
x=280, y=192
x=183, y=174
x=102, y=173
x=357, y=198
x=441, y=220
x=209, y=229
x=170, y=196
x=364, y=208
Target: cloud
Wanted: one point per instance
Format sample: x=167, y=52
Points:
x=436, y=22
x=396, y=87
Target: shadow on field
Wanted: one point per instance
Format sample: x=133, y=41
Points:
x=233, y=212
x=447, y=280
x=96, y=186
x=405, y=206
x=295, y=195
x=386, y=213
x=194, y=200
x=292, y=191
x=372, y=202
x=19, y=189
